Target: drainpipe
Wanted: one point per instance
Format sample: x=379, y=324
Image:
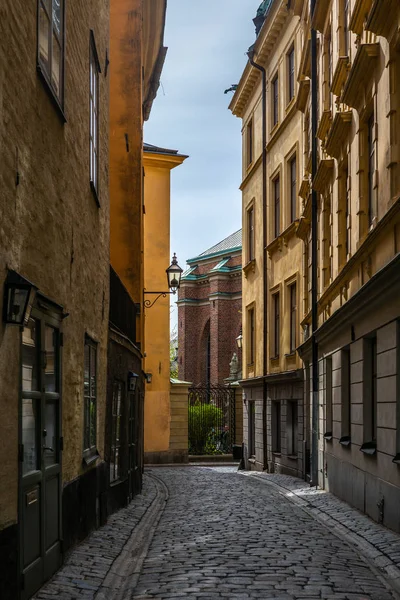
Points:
x=260, y=68
x=314, y=257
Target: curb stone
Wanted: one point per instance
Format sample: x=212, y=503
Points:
x=384, y=567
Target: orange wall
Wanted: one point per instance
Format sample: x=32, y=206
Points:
x=157, y=258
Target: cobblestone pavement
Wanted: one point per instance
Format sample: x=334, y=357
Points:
x=219, y=535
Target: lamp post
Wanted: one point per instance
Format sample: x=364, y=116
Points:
x=19, y=296
x=174, y=273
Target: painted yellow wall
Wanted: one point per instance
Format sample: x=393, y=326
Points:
x=157, y=258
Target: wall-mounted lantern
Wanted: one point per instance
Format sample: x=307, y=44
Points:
x=174, y=273
x=19, y=296
x=149, y=377
x=239, y=339
x=132, y=381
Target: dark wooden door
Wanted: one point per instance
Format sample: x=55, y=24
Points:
x=133, y=428
x=40, y=452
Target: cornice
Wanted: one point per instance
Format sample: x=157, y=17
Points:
x=165, y=161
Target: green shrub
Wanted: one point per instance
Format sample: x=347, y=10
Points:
x=204, y=421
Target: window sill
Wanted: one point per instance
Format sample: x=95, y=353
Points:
x=89, y=457
x=291, y=354
x=396, y=459
x=94, y=192
x=328, y=436
x=274, y=359
x=50, y=92
x=369, y=448
x=252, y=460
x=345, y=441
x=292, y=456
x=276, y=454
x=250, y=266
x=290, y=104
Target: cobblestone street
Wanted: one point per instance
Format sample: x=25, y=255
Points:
x=213, y=533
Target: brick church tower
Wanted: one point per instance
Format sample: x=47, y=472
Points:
x=209, y=312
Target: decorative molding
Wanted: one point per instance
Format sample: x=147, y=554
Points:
x=359, y=15
x=340, y=74
x=250, y=267
x=303, y=94
x=320, y=15
x=323, y=174
x=338, y=133
x=324, y=124
x=360, y=72
x=305, y=61
x=305, y=188
x=382, y=17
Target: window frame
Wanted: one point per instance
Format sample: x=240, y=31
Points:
x=275, y=100
x=116, y=428
x=371, y=150
x=251, y=339
x=94, y=117
x=252, y=428
x=276, y=426
x=292, y=289
x=276, y=183
x=249, y=143
x=345, y=392
x=90, y=449
x=291, y=78
x=292, y=164
x=292, y=427
x=250, y=233
x=370, y=395
x=276, y=324
x=46, y=73
x=328, y=434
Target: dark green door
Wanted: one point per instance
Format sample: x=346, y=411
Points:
x=40, y=452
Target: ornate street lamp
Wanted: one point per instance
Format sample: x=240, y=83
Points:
x=174, y=273
x=239, y=339
x=19, y=296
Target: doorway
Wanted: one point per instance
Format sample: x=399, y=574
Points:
x=40, y=451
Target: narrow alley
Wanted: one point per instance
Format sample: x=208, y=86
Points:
x=213, y=533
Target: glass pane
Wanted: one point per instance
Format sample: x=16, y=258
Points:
x=56, y=66
x=16, y=304
x=29, y=358
x=92, y=422
x=44, y=39
x=57, y=6
x=29, y=435
x=51, y=359
x=86, y=375
x=87, y=424
x=92, y=371
x=50, y=434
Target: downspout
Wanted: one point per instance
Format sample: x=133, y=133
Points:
x=314, y=257
x=260, y=68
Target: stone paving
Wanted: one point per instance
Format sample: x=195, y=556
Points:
x=222, y=535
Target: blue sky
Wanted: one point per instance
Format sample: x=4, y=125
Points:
x=207, y=41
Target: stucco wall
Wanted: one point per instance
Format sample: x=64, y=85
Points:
x=52, y=230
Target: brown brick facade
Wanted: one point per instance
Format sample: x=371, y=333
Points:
x=209, y=316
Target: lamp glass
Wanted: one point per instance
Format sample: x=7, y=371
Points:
x=174, y=273
x=239, y=341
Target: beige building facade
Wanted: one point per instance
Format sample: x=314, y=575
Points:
x=358, y=186
x=272, y=253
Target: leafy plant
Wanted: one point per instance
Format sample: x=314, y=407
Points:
x=204, y=423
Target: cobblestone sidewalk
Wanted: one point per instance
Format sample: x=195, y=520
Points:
x=88, y=565
x=377, y=543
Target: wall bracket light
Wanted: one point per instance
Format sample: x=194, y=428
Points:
x=174, y=273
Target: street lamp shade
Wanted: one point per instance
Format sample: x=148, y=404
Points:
x=174, y=273
x=239, y=339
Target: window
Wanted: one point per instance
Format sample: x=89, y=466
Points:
x=275, y=101
x=328, y=398
x=277, y=206
x=276, y=325
x=292, y=428
x=276, y=426
x=344, y=232
x=346, y=396
x=90, y=391
x=249, y=142
x=346, y=33
x=290, y=60
x=370, y=390
x=51, y=45
x=252, y=429
x=293, y=316
x=251, y=337
x=293, y=189
x=115, y=456
x=371, y=170
x=94, y=117
x=250, y=234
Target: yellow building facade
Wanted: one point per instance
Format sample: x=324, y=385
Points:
x=266, y=100
x=160, y=443
x=358, y=187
